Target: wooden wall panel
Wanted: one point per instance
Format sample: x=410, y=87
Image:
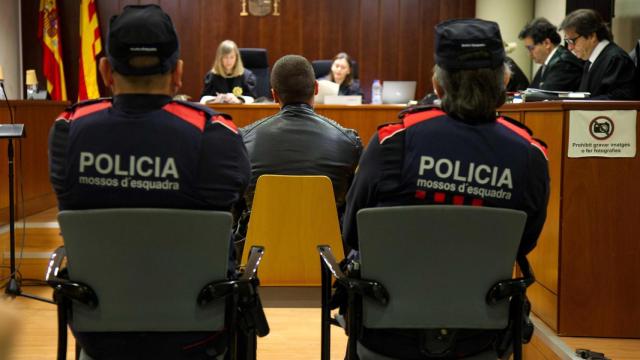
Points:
x=390, y=39
x=33, y=192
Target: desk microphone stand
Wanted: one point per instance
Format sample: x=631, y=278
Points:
x=10, y=132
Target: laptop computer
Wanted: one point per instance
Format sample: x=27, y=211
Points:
x=398, y=92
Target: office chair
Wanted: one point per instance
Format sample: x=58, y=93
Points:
x=435, y=270
x=154, y=270
x=321, y=68
x=290, y=215
x=255, y=59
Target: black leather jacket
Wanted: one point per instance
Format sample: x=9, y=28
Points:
x=297, y=141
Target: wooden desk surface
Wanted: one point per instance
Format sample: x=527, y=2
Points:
x=364, y=118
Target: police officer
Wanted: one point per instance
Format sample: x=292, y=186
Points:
x=461, y=154
x=142, y=149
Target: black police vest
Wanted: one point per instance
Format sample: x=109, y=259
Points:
x=432, y=158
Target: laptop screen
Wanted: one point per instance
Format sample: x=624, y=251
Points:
x=398, y=92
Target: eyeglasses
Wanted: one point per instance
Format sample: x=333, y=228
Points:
x=530, y=47
x=571, y=41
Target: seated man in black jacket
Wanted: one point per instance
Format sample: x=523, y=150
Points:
x=296, y=140
x=560, y=70
x=608, y=73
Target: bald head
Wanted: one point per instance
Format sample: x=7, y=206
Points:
x=293, y=80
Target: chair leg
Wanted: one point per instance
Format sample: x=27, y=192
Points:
x=325, y=322
x=517, y=327
x=62, y=328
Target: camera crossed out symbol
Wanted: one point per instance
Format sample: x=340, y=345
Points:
x=601, y=128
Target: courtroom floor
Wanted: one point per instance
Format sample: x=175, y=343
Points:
x=293, y=315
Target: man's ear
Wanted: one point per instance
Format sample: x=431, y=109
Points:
x=104, y=66
x=275, y=96
x=176, y=75
x=316, y=86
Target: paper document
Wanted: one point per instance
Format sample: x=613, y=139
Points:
x=561, y=94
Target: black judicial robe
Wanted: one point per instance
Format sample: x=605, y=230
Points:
x=562, y=73
x=611, y=76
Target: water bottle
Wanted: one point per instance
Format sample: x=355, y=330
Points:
x=376, y=92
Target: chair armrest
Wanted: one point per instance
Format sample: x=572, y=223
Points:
x=221, y=289
x=255, y=256
x=245, y=295
x=73, y=290
x=55, y=263
x=510, y=287
x=364, y=287
x=331, y=263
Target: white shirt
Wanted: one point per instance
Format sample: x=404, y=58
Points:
x=596, y=51
x=546, y=62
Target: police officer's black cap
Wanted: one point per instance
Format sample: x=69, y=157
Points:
x=142, y=30
x=468, y=44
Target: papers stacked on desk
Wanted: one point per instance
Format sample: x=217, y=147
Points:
x=532, y=94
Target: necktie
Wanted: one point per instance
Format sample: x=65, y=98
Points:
x=584, y=82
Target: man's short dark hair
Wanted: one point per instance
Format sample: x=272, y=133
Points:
x=293, y=79
x=538, y=30
x=586, y=22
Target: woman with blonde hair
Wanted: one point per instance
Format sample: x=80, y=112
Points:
x=228, y=81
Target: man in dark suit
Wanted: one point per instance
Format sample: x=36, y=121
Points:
x=608, y=72
x=560, y=70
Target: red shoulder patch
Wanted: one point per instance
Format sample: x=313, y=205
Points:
x=65, y=116
x=524, y=134
x=219, y=119
x=89, y=109
x=418, y=117
x=387, y=131
x=193, y=116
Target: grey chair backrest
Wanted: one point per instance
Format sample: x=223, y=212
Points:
x=147, y=267
x=438, y=263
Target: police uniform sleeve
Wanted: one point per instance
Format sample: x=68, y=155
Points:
x=362, y=193
x=58, y=138
x=536, y=198
x=223, y=166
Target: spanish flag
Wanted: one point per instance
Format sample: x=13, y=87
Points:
x=49, y=33
x=90, y=47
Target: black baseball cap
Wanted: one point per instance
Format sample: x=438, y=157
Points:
x=142, y=30
x=463, y=44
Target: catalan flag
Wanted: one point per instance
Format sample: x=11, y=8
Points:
x=90, y=47
x=49, y=33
